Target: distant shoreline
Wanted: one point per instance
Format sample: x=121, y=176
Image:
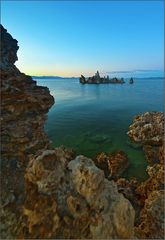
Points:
x=56, y=77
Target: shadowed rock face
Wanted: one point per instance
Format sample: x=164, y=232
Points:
x=23, y=112
x=113, y=164
x=46, y=192
x=148, y=129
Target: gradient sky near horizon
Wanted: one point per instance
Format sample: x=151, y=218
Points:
x=69, y=38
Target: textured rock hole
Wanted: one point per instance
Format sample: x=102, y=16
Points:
x=83, y=181
x=50, y=162
x=77, y=207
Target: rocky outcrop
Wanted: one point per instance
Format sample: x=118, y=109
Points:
x=153, y=183
x=82, y=79
x=113, y=164
x=151, y=154
x=147, y=129
x=96, y=79
x=23, y=112
x=152, y=217
x=83, y=204
x=131, y=81
x=46, y=192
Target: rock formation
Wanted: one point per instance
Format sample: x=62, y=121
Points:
x=131, y=81
x=113, y=164
x=96, y=79
x=23, y=109
x=82, y=79
x=147, y=129
x=48, y=193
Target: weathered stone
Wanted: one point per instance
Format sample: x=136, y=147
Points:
x=147, y=128
x=109, y=207
x=151, y=154
x=152, y=217
x=23, y=109
x=113, y=164
x=83, y=203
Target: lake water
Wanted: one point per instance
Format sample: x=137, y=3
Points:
x=95, y=118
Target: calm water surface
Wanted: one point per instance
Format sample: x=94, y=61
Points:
x=95, y=118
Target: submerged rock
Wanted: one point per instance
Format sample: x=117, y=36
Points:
x=134, y=145
x=99, y=138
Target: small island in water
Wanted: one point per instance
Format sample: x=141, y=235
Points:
x=96, y=79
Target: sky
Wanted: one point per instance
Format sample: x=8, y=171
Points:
x=69, y=38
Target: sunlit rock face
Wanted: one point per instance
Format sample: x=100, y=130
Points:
x=46, y=192
x=80, y=201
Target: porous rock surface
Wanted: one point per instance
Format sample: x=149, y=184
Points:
x=148, y=130
x=152, y=217
x=113, y=163
x=83, y=204
x=46, y=192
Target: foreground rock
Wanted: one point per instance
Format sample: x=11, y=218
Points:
x=82, y=203
x=45, y=193
x=23, y=112
x=152, y=217
x=96, y=79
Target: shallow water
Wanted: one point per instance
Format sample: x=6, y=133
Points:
x=95, y=118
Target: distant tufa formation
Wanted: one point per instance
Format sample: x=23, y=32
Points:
x=96, y=79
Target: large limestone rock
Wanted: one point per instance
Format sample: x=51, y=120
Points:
x=85, y=204
x=110, y=209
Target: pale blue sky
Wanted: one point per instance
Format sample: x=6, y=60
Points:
x=72, y=37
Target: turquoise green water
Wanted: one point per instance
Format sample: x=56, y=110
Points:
x=95, y=118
